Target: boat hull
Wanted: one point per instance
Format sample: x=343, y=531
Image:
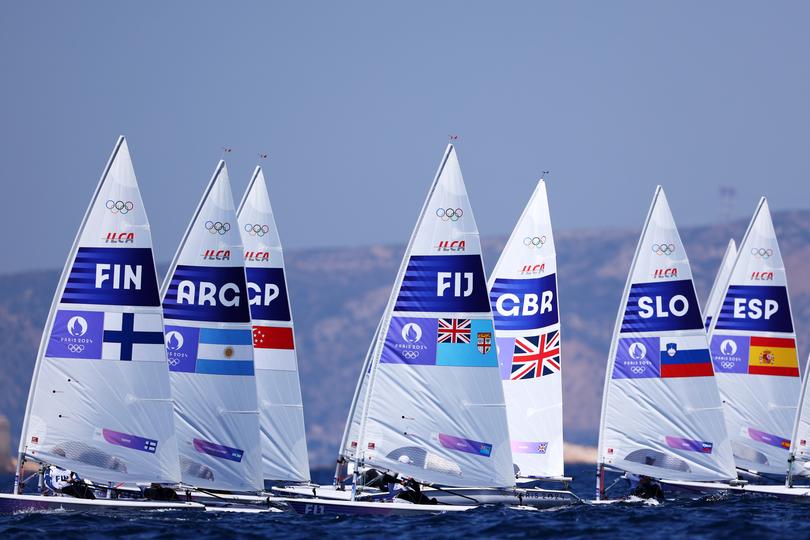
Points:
x=759, y=489
x=326, y=492
x=323, y=507
x=536, y=497
x=11, y=503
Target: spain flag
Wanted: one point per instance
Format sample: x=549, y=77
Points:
x=773, y=356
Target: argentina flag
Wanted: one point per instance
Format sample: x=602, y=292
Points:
x=225, y=352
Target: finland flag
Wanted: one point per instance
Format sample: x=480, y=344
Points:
x=133, y=336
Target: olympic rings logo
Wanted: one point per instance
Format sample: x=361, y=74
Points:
x=173, y=362
x=410, y=355
x=764, y=253
x=534, y=241
x=119, y=207
x=727, y=365
x=638, y=370
x=74, y=348
x=217, y=227
x=663, y=249
x=449, y=214
x=256, y=230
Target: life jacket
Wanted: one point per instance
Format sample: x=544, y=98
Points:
x=57, y=478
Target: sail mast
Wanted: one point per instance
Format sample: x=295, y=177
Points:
x=434, y=408
x=600, y=466
x=283, y=436
x=210, y=348
x=358, y=390
x=386, y=319
x=54, y=302
x=525, y=304
x=660, y=356
x=107, y=408
x=754, y=352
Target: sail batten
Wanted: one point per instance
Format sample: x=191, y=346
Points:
x=433, y=406
x=209, y=346
x=523, y=293
x=100, y=401
x=753, y=345
x=283, y=438
x=661, y=410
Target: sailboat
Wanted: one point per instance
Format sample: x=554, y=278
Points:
x=753, y=346
x=523, y=293
x=99, y=402
x=209, y=344
x=661, y=410
x=719, y=285
x=281, y=412
x=431, y=406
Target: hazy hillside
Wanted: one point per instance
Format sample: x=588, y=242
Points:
x=338, y=295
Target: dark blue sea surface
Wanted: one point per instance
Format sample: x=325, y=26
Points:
x=707, y=517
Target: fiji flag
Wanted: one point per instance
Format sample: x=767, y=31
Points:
x=685, y=357
x=475, y=349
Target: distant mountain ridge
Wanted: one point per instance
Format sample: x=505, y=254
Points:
x=338, y=296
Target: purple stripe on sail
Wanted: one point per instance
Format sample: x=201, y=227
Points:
x=218, y=450
x=679, y=443
x=524, y=447
x=767, y=438
x=129, y=441
x=465, y=445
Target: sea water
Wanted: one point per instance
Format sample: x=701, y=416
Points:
x=749, y=516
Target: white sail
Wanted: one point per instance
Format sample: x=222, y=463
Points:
x=100, y=402
x=661, y=411
x=720, y=281
x=523, y=294
x=209, y=346
x=753, y=346
x=283, y=438
x=434, y=406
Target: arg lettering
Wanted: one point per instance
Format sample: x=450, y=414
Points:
x=207, y=294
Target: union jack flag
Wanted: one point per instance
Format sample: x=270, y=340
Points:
x=454, y=331
x=535, y=356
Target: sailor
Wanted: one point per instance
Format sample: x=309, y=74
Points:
x=156, y=492
x=647, y=488
x=413, y=493
x=55, y=479
x=66, y=482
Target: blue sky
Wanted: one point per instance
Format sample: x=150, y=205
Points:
x=354, y=101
